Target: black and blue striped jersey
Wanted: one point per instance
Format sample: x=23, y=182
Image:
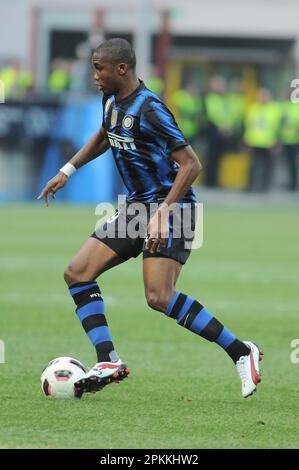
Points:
x=142, y=133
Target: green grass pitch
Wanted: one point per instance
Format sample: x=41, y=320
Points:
x=183, y=392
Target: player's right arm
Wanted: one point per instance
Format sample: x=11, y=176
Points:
x=97, y=145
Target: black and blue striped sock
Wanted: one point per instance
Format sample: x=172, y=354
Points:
x=192, y=315
x=90, y=311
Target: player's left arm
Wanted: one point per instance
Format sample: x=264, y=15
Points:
x=190, y=167
x=159, y=124
x=189, y=170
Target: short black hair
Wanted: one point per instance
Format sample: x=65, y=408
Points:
x=118, y=51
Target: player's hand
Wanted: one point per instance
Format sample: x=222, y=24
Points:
x=158, y=231
x=52, y=187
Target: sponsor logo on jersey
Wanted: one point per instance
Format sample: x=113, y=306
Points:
x=120, y=142
x=114, y=117
x=128, y=122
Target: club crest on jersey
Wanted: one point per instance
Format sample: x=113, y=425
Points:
x=114, y=117
x=120, y=142
x=128, y=122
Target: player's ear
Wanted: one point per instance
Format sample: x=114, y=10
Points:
x=122, y=69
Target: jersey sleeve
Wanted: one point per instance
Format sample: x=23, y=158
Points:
x=158, y=124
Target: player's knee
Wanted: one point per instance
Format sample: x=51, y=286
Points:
x=72, y=276
x=157, y=300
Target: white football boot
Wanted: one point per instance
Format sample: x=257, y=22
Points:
x=102, y=374
x=248, y=369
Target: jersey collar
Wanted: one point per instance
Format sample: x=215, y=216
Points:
x=133, y=94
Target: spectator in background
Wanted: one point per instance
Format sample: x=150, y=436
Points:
x=59, y=78
x=289, y=136
x=24, y=82
x=17, y=80
x=235, y=106
x=189, y=106
x=155, y=82
x=8, y=75
x=216, y=131
x=262, y=122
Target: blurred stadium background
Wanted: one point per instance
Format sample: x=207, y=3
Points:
x=225, y=69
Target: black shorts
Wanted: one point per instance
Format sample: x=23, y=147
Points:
x=126, y=230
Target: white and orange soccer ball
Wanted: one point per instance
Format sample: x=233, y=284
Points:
x=59, y=376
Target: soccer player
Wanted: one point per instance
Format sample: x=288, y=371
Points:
x=157, y=166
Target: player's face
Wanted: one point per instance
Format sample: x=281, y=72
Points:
x=106, y=76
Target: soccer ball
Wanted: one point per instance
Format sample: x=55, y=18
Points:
x=59, y=376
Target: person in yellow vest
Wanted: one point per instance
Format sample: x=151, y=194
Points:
x=289, y=137
x=235, y=106
x=189, y=106
x=216, y=131
x=24, y=82
x=17, y=81
x=59, y=78
x=8, y=76
x=262, y=122
x=155, y=82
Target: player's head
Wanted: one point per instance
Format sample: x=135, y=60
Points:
x=114, y=61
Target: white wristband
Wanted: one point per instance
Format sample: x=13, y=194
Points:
x=68, y=169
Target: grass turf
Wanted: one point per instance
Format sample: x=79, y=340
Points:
x=183, y=391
